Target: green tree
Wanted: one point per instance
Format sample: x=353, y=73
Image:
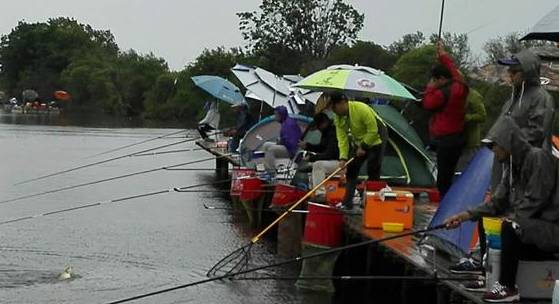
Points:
x=311, y=28
x=458, y=47
x=407, y=43
x=33, y=55
x=505, y=46
x=365, y=53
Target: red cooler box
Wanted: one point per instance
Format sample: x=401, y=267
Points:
x=323, y=226
x=251, y=188
x=397, y=207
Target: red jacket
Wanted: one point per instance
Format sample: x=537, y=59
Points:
x=448, y=119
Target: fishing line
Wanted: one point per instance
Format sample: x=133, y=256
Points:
x=99, y=203
x=108, y=179
x=98, y=163
x=168, y=152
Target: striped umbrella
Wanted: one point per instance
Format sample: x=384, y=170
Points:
x=355, y=81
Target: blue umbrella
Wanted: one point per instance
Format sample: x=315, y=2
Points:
x=219, y=88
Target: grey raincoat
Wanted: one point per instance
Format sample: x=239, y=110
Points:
x=528, y=190
x=531, y=106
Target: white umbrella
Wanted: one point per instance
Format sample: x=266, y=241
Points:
x=274, y=90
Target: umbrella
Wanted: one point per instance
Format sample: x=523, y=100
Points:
x=274, y=90
x=219, y=88
x=62, y=95
x=355, y=80
x=29, y=95
x=546, y=29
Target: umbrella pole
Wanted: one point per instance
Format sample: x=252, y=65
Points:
x=261, y=109
x=441, y=20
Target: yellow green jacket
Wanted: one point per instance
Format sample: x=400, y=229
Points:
x=361, y=123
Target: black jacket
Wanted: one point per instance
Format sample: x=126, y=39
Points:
x=328, y=147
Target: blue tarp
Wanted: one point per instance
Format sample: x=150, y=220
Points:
x=466, y=192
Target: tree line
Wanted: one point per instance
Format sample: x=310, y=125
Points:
x=283, y=36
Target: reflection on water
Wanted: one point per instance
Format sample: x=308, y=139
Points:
x=122, y=249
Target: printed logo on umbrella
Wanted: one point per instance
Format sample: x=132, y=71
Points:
x=365, y=83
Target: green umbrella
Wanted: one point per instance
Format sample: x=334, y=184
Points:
x=355, y=80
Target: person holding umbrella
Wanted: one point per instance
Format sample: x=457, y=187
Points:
x=357, y=129
x=445, y=96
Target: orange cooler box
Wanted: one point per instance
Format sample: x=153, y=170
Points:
x=334, y=191
x=397, y=207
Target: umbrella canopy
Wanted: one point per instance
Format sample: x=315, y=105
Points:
x=219, y=88
x=547, y=28
x=355, y=81
x=29, y=95
x=272, y=89
x=62, y=96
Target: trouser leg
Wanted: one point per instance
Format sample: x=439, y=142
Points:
x=351, y=180
x=202, y=129
x=272, y=152
x=447, y=158
x=320, y=169
x=482, y=241
x=374, y=162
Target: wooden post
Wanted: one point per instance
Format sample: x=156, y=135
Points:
x=290, y=235
x=221, y=168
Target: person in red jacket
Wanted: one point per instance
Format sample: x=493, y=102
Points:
x=445, y=96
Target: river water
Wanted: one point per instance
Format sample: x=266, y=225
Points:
x=122, y=249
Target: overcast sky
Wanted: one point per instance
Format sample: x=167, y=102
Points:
x=178, y=30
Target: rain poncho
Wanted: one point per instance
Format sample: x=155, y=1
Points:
x=290, y=133
x=475, y=116
x=531, y=106
x=212, y=116
x=528, y=189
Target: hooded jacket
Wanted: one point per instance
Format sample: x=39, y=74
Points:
x=530, y=105
x=528, y=189
x=290, y=133
x=475, y=116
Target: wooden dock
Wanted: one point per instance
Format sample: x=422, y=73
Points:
x=416, y=259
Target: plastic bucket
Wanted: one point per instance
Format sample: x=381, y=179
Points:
x=251, y=188
x=494, y=241
x=236, y=176
x=323, y=226
x=285, y=195
x=492, y=225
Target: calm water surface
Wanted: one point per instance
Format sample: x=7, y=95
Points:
x=117, y=250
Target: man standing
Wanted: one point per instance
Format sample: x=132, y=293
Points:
x=445, y=96
x=357, y=129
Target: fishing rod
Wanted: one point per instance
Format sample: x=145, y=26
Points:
x=136, y=143
x=273, y=265
x=108, y=179
x=168, y=152
x=99, y=203
x=100, y=162
x=441, y=20
x=349, y=277
x=273, y=210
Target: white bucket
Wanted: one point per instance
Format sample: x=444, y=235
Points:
x=493, y=267
x=556, y=293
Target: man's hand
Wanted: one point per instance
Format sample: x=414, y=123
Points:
x=361, y=152
x=302, y=145
x=457, y=219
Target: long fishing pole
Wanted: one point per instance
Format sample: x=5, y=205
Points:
x=350, y=278
x=272, y=210
x=168, y=152
x=100, y=162
x=136, y=143
x=286, y=262
x=108, y=179
x=441, y=20
x=99, y=203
